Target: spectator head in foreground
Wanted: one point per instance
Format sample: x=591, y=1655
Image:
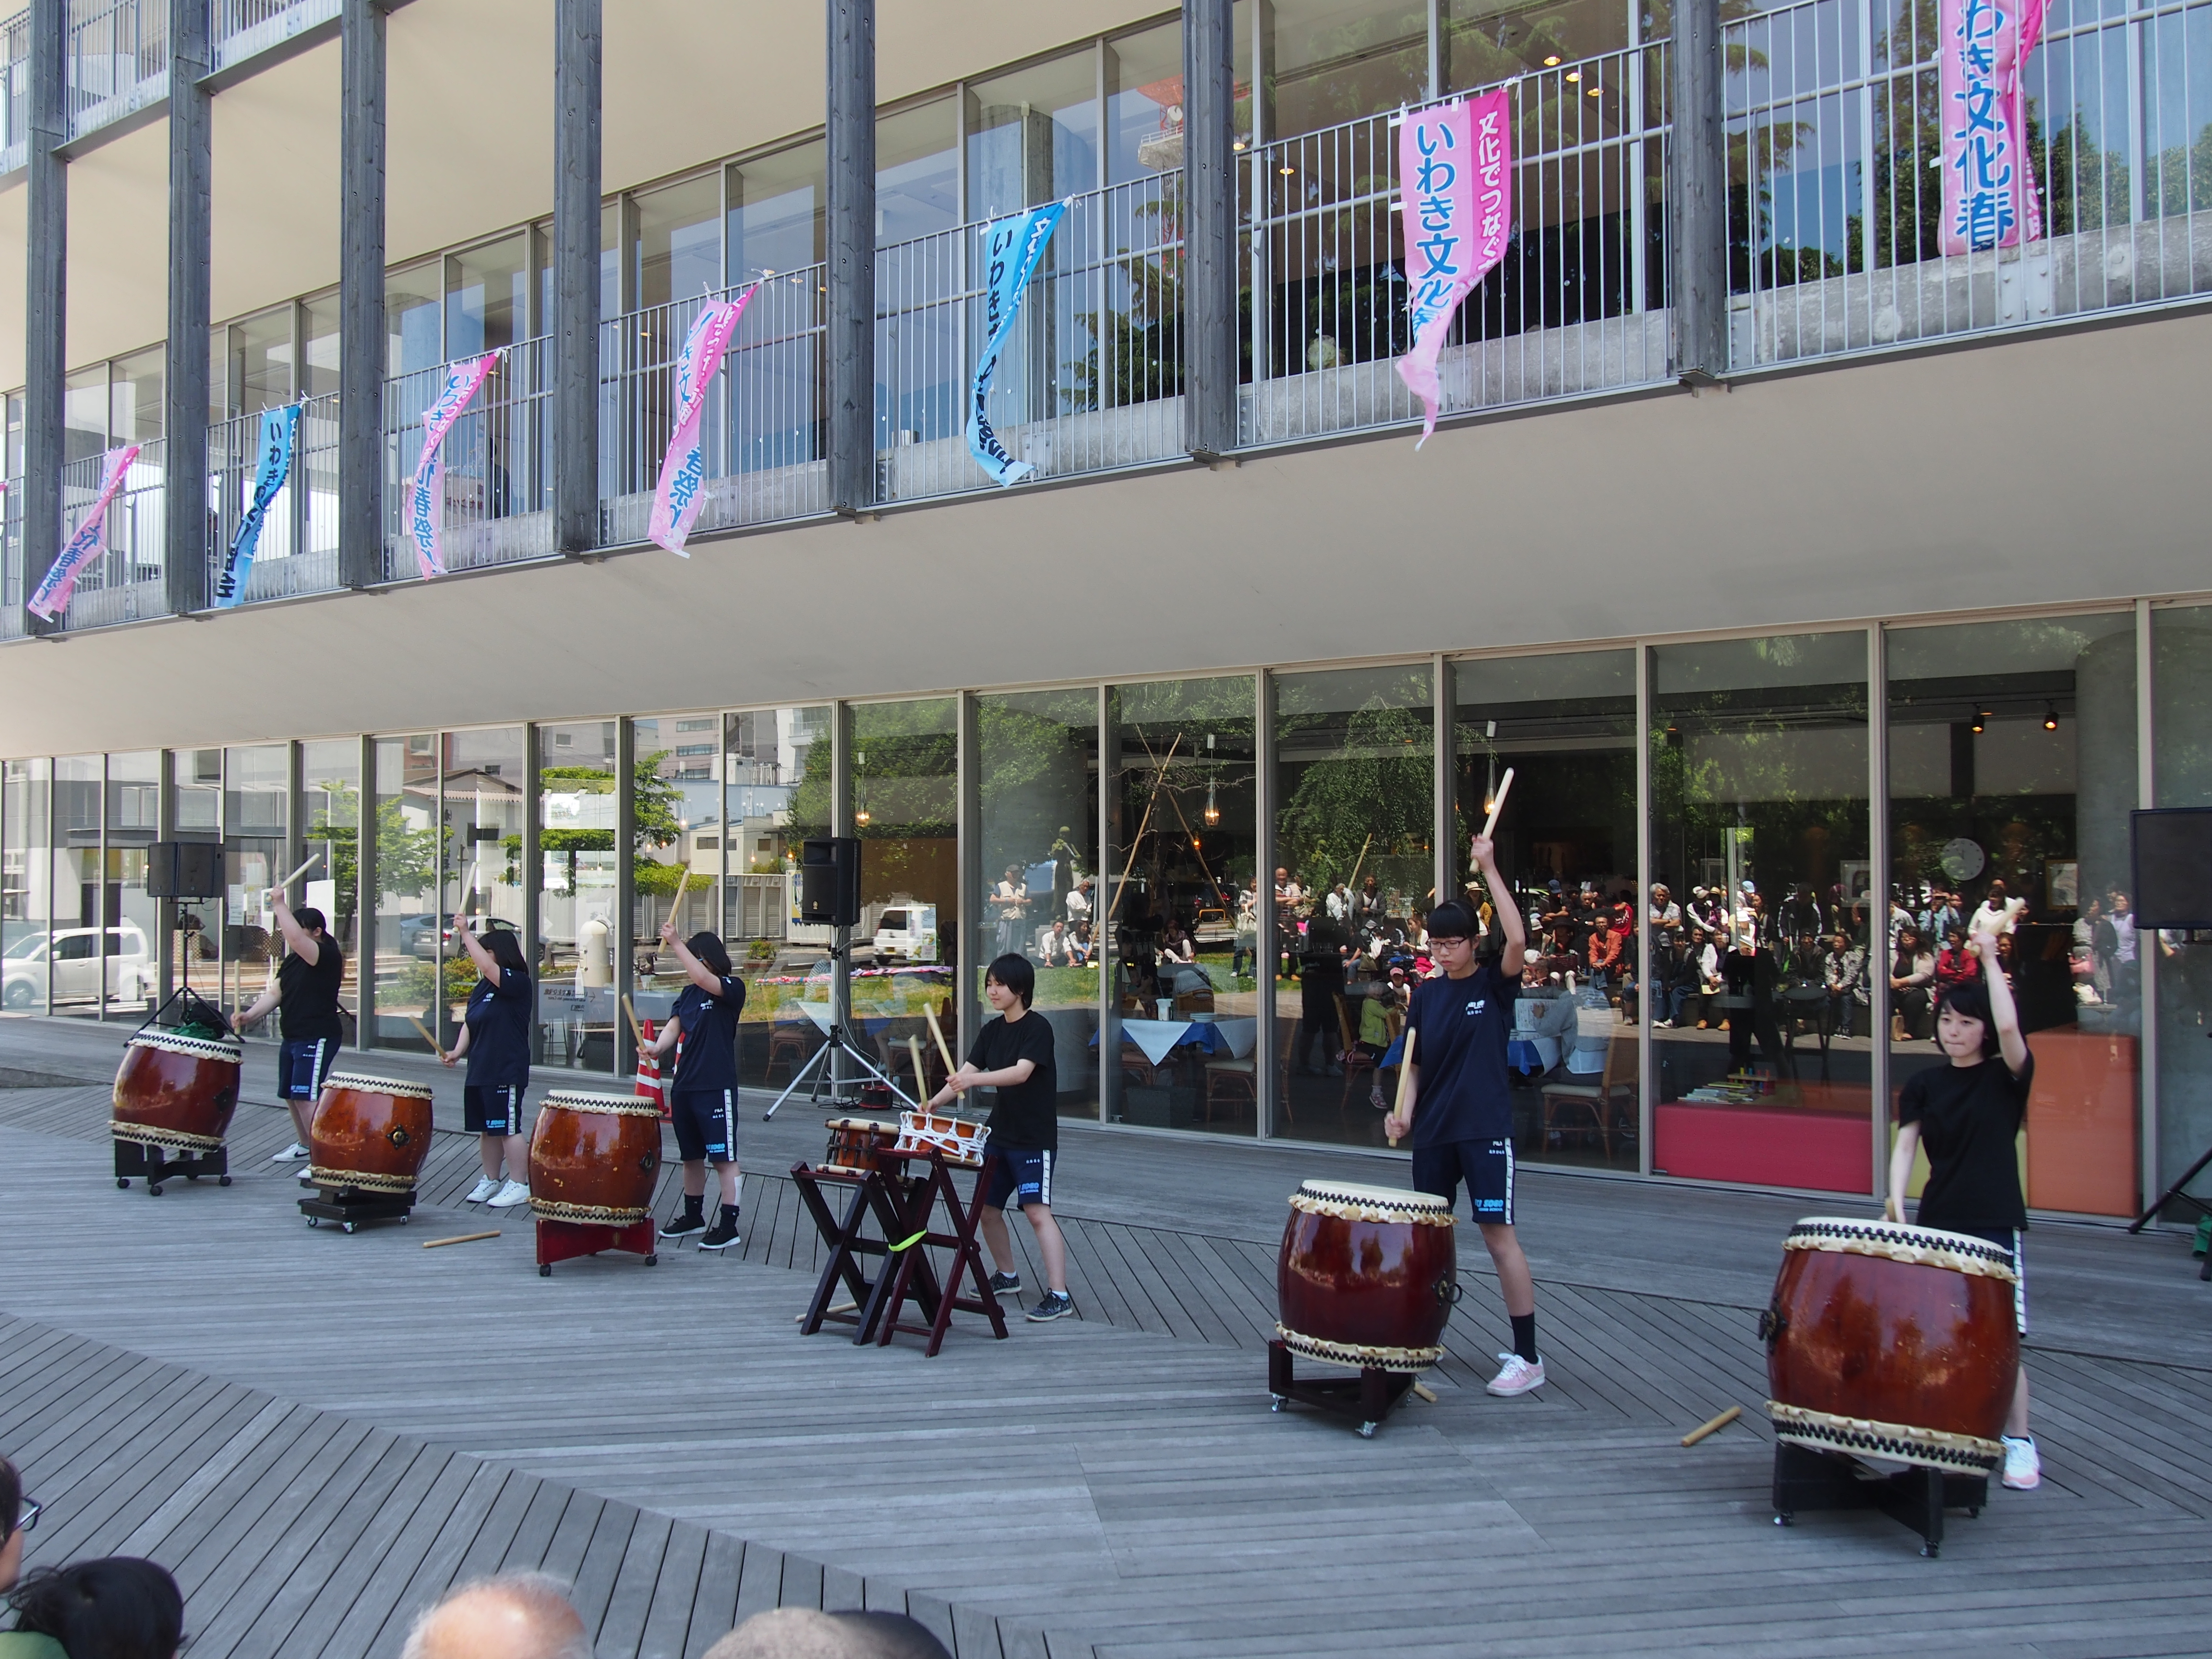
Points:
x=802, y=1633
x=517, y=1615
x=13, y=1519
x=118, y=1607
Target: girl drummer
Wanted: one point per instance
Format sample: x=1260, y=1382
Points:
x=703, y=1098
x=496, y=1038
x=1967, y=1117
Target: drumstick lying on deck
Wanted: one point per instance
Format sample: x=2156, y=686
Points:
x=459, y=1238
x=1405, y=1069
x=938, y=1031
x=1713, y=1427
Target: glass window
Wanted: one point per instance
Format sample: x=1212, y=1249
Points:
x=778, y=776
x=1760, y=813
x=1486, y=41
x=1178, y=911
x=256, y=799
x=196, y=805
x=488, y=297
x=320, y=324
x=1038, y=767
x=1033, y=136
x=1327, y=61
x=678, y=814
x=576, y=804
x=1144, y=103
x=906, y=812
x=259, y=374
x=331, y=779
x=2181, y=725
x=134, y=805
x=483, y=797
x=679, y=254
x=414, y=303
x=1355, y=770
x=74, y=955
x=775, y=216
x=26, y=879
x=84, y=413
x=134, y=396
x=1566, y=725
x=2012, y=767
x=406, y=877
x=917, y=172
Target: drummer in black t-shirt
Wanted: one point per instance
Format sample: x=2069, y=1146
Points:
x=496, y=1037
x=307, y=989
x=1013, y=1054
x=1457, y=1103
x=1967, y=1117
x=703, y=1098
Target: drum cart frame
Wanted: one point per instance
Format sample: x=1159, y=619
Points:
x=153, y=1165
x=1915, y=1498
x=566, y=1241
x=351, y=1207
x=1370, y=1397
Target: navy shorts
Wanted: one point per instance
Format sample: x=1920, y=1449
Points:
x=1486, y=1166
x=1016, y=1175
x=492, y=1109
x=2009, y=1240
x=706, y=1124
x=302, y=1067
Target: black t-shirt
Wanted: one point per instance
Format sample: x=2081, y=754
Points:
x=1027, y=1114
x=307, y=993
x=1969, y=1117
x=498, y=1019
x=1464, y=1025
x=710, y=1036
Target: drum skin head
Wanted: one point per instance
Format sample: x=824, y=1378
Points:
x=1348, y=1192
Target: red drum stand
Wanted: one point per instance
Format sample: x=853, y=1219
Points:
x=564, y=1241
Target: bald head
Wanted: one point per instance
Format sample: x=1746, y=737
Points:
x=802, y=1633
x=524, y=1615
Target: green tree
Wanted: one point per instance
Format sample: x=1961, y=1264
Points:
x=1375, y=795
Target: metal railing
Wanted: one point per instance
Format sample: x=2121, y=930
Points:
x=764, y=428
x=118, y=62
x=298, y=550
x=497, y=464
x=14, y=91
x=1835, y=138
x=1577, y=305
x=1091, y=378
x=11, y=561
x=124, y=583
x=237, y=29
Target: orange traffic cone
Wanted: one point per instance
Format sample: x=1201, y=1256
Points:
x=648, y=1072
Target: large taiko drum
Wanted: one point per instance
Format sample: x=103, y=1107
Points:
x=857, y=1144
x=1367, y=1276
x=594, y=1158
x=176, y=1091
x=1892, y=1341
x=370, y=1134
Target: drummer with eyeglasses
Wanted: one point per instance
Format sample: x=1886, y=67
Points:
x=18, y=1515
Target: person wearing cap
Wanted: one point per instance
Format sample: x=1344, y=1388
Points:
x=1457, y=1103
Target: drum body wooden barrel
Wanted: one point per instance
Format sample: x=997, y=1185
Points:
x=856, y=1142
x=177, y=1090
x=1367, y=1275
x=369, y=1132
x=594, y=1158
x=1892, y=1341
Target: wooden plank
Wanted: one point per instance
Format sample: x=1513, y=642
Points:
x=675, y=1592
x=713, y=1610
x=629, y=1600
x=760, y=1586
x=842, y=1591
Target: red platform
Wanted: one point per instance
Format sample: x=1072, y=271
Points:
x=1764, y=1145
x=564, y=1241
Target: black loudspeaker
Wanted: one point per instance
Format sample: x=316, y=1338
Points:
x=183, y=870
x=2173, y=867
x=829, y=880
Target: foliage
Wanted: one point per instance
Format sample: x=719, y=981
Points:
x=1375, y=793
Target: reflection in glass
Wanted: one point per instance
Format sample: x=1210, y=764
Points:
x=196, y=801
x=1032, y=136
x=1355, y=770
x=260, y=372
x=2012, y=767
x=678, y=250
x=905, y=790
x=1038, y=770
x=917, y=172
x=1759, y=813
x=414, y=303
x=74, y=970
x=677, y=847
x=134, y=796
x=1566, y=841
x=406, y=813
x=778, y=779
x=483, y=798
x=1486, y=41
x=1335, y=60
x=330, y=774
x=1177, y=914
x=1144, y=102
x=256, y=814
x=488, y=297
x=776, y=212
x=26, y=876
x=576, y=881
x=2181, y=728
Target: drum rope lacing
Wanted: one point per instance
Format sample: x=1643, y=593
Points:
x=361, y=1179
x=612, y=1105
x=227, y=1048
x=590, y=1214
x=1358, y=1353
x=1916, y=1246
x=379, y=1086
x=1344, y=1210
x=147, y=1135
x=1903, y=1442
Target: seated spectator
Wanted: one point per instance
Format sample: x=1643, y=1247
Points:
x=18, y=1515
x=1055, y=947
x=1080, y=948
x=516, y=1615
x=117, y=1607
x=1176, y=943
x=802, y=1633
x=1955, y=965
x=1844, y=975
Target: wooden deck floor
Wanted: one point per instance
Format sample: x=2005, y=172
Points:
x=319, y=1433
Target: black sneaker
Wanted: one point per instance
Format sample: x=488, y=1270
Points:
x=1005, y=1284
x=685, y=1223
x=1057, y=1304
x=724, y=1233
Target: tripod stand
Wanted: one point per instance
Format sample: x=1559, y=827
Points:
x=839, y=1042
x=2173, y=1194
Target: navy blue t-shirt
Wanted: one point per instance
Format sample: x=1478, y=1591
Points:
x=498, y=1019
x=1464, y=1025
x=709, y=1060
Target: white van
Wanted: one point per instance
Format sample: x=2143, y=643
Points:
x=907, y=933
x=72, y=957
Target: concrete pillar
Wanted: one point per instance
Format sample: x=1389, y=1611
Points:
x=184, y=376
x=1209, y=228
x=1698, y=199
x=46, y=301
x=851, y=251
x=576, y=191
x=360, y=297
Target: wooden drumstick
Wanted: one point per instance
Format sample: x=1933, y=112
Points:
x=921, y=1081
x=427, y=1037
x=1405, y=1075
x=938, y=1031
x=313, y=858
x=1713, y=1425
x=636, y=1030
x=1498, y=804
x=459, y=1239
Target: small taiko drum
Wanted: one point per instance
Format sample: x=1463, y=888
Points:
x=594, y=1158
x=1367, y=1276
x=370, y=1134
x=176, y=1091
x=1892, y=1341
x=960, y=1140
x=856, y=1143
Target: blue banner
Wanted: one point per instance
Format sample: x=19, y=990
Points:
x=279, y=427
x=1011, y=248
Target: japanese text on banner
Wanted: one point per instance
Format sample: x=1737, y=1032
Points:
x=1011, y=248
x=1456, y=190
x=279, y=432
x=85, y=544
x=425, y=511
x=681, y=491
x=1990, y=198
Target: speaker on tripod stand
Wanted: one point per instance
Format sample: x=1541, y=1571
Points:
x=2173, y=856
x=183, y=873
x=830, y=896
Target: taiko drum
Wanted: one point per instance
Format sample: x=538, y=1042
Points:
x=177, y=1090
x=856, y=1143
x=370, y=1134
x=594, y=1158
x=1367, y=1275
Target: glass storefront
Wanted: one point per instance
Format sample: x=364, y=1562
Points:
x=779, y=787
x=578, y=810
x=2181, y=747
x=74, y=968
x=256, y=817
x=330, y=775
x=405, y=871
x=26, y=879
x=906, y=809
x=134, y=925
x=484, y=795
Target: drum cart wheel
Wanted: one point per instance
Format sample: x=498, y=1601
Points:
x=1368, y=1399
x=122, y=1184
x=654, y=1259
x=314, y=1221
x=1915, y=1498
x=546, y=1270
x=153, y=1187
x=1278, y=1402
x=223, y=1181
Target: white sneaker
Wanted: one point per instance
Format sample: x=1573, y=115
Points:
x=307, y=1178
x=482, y=1190
x=508, y=1196
x=1517, y=1376
x=291, y=1154
x=2023, y=1469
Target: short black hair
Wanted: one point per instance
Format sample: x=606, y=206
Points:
x=504, y=946
x=1971, y=1000
x=708, y=946
x=117, y=1607
x=1015, y=972
x=1453, y=920
x=311, y=919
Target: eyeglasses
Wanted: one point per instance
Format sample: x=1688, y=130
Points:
x=27, y=1518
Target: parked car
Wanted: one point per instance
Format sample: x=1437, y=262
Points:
x=427, y=937
x=907, y=933
x=70, y=956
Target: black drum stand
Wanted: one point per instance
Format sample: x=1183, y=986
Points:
x=1369, y=1398
x=1915, y=1498
x=155, y=1165
x=350, y=1207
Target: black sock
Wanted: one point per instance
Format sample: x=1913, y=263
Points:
x=694, y=1205
x=1524, y=1336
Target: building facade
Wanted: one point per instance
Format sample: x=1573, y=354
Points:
x=1818, y=586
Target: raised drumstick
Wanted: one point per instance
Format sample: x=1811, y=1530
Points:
x=1498, y=803
x=921, y=1082
x=313, y=858
x=1405, y=1073
x=938, y=1031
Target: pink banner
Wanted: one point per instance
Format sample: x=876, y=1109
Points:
x=1990, y=198
x=425, y=512
x=678, y=496
x=85, y=544
x=1456, y=190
